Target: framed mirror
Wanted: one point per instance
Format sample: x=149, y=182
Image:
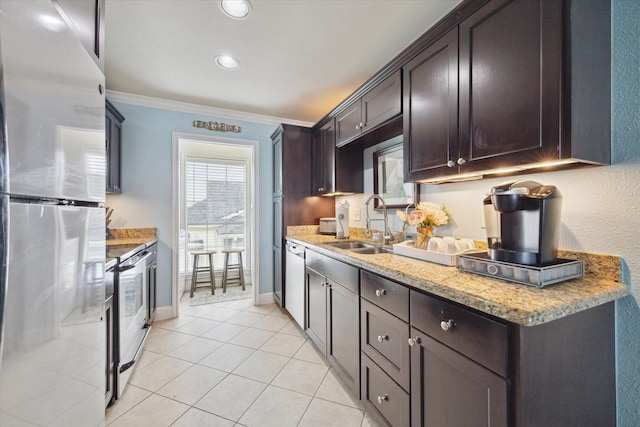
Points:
x=388, y=181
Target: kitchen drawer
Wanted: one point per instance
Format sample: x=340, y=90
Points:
x=383, y=396
x=384, y=338
x=332, y=269
x=386, y=294
x=477, y=337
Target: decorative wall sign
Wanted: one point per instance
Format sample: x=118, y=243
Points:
x=218, y=127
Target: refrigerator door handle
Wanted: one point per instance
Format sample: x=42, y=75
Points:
x=4, y=261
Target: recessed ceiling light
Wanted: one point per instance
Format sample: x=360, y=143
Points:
x=227, y=62
x=237, y=9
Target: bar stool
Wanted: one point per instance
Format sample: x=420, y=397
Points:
x=236, y=266
x=201, y=269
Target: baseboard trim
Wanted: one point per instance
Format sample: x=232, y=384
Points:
x=265, y=299
x=164, y=313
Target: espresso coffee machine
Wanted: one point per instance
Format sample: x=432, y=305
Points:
x=522, y=221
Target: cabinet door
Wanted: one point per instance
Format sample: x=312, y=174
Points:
x=448, y=389
x=317, y=309
x=323, y=181
x=510, y=53
x=277, y=165
x=277, y=250
x=349, y=123
x=113, y=135
x=277, y=276
x=382, y=102
x=343, y=345
x=430, y=121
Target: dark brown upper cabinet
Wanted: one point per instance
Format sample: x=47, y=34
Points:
x=430, y=122
x=381, y=103
x=335, y=170
x=513, y=84
x=113, y=136
x=324, y=147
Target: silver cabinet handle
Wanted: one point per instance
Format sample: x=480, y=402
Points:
x=321, y=189
x=447, y=325
x=383, y=338
x=381, y=292
x=382, y=399
x=451, y=164
x=461, y=161
x=357, y=127
x=414, y=341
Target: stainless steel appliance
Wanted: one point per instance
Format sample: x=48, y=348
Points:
x=152, y=262
x=327, y=226
x=52, y=260
x=131, y=312
x=294, y=283
x=522, y=221
x=110, y=335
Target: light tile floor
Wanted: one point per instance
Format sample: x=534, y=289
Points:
x=234, y=364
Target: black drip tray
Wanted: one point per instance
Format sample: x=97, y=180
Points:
x=538, y=276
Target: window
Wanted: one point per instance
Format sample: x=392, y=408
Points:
x=215, y=205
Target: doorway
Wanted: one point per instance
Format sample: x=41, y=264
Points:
x=214, y=192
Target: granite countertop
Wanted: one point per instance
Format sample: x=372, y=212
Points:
x=131, y=236
x=124, y=242
x=520, y=304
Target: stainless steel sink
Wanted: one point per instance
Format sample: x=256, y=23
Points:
x=372, y=250
x=360, y=247
x=349, y=245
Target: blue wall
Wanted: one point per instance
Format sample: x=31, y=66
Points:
x=147, y=181
x=626, y=150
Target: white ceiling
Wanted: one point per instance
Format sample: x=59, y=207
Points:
x=298, y=58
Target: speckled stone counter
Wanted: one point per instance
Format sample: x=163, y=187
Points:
x=515, y=303
x=130, y=236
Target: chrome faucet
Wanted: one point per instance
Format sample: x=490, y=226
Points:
x=388, y=237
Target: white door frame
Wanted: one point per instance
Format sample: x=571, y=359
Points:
x=175, y=208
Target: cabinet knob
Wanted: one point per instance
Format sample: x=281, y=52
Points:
x=383, y=338
x=357, y=127
x=451, y=164
x=382, y=399
x=381, y=292
x=320, y=188
x=447, y=325
x=414, y=341
x=461, y=161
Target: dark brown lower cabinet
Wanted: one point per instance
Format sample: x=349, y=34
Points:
x=333, y=315
x=343, y=348
x=317, y=309
x=448, y=389
x=383, y=396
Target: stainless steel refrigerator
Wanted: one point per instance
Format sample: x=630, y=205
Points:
x=52, y=169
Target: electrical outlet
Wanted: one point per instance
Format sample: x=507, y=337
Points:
x=356, y=214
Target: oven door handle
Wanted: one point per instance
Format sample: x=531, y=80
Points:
x=132, y=362
x=137, y=263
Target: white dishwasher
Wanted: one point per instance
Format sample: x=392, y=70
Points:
x=294, y=291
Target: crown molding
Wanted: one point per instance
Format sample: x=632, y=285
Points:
x=185, y=107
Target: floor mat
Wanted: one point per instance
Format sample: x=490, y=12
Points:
x=203, y=295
